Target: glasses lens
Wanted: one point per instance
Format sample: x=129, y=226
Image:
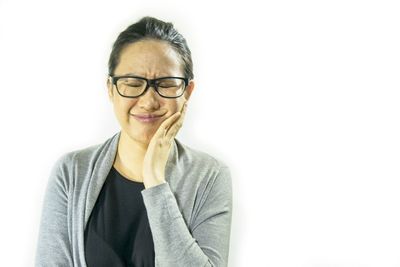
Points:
x=168, y=87
x=131, y=86
x=171, y=87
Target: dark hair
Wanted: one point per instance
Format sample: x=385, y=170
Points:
x=152, y=28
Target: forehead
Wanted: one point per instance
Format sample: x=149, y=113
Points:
x=149, y=58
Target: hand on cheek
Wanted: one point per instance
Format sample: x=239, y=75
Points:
x=158, y=151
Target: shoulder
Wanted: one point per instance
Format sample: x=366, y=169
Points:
x=203, y=165
x=207, y=177
x=87, y=156
x=63, y=166
x=198, y=158
x=70, y=158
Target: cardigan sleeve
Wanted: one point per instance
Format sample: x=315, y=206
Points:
x=208, y=243
x=53, y=246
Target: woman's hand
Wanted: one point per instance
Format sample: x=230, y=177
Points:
x=157, y=154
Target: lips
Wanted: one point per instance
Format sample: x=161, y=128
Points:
x=146, y=116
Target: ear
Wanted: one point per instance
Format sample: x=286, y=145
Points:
x=189, y=89
x=110, y=89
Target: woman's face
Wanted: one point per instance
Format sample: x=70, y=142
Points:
x=150, y=59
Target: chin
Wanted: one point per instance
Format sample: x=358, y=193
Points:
x=143, y=136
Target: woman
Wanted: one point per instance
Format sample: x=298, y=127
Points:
x=141, y=198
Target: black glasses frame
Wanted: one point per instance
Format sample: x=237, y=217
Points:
x=149, y=83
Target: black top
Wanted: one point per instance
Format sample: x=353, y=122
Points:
x=118, y=232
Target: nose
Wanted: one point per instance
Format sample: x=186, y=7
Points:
x=149, y=100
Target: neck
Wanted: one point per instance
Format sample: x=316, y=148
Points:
x=130, y=155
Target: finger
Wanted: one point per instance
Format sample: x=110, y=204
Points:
x=179, y=115
x=173, y=130
x=164, y=126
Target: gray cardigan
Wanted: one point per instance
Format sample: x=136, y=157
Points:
x=189, y=215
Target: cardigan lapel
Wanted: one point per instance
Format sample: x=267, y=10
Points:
x=102, y=167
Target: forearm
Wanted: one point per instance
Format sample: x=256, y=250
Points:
x=173, y=242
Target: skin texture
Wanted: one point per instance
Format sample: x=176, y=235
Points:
x=144, y=147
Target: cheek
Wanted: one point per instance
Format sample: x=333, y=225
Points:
x=173, y=107
x=126, y=106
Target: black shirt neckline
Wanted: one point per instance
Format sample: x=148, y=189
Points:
x=121, y=177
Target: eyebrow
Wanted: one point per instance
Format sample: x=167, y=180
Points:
x=134, y=74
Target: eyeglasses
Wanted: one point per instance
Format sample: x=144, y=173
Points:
x=135, y=86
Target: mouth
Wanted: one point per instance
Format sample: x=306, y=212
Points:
x=147, y=117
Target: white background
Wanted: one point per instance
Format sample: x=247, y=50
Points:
x=300, y=98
